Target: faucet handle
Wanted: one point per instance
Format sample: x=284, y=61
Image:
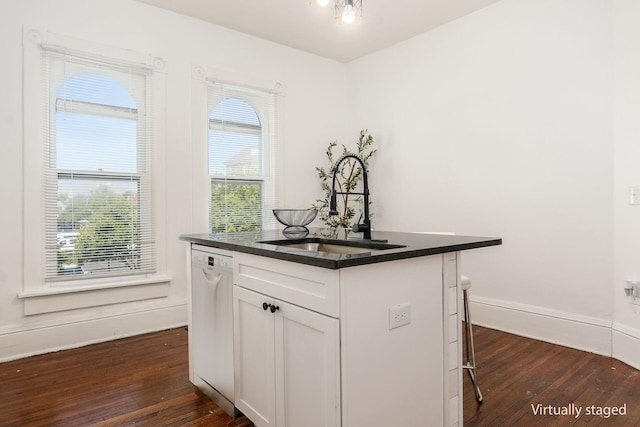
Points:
x=360, y=228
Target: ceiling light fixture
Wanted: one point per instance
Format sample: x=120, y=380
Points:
x=348, y=11
x=320, y=3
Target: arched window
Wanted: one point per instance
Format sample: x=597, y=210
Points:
x=98, y=170
x=240, y=123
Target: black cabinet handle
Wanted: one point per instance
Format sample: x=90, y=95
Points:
x=265, y=306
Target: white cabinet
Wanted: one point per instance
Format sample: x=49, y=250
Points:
x=327, y=356
x=254, y=357
x=287, y=363
x=393, y=377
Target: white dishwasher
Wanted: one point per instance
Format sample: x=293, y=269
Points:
x=212, y=324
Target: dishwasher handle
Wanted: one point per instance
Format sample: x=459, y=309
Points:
x=211, y=279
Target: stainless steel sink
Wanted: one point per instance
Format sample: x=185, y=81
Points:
x=334, y=246
x=330, y=248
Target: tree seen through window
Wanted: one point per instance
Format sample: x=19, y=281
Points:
x=100, y=167
x=235, y=167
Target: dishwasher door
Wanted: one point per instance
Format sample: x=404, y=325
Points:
x=212, y=324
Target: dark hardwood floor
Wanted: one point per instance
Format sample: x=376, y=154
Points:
x=143, y=381
x=515, y=373
x=140, y=381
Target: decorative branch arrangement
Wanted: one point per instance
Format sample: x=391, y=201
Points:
x=348, y=178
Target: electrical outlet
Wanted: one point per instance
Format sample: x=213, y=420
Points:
x=634, y=195
x=399, y=315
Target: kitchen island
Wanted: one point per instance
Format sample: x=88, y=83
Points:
x=332, y=331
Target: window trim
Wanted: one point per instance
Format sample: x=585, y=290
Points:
x=34, y=169
x=94, y=295
x=201, y=77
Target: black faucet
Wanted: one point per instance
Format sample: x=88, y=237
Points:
x=365, y=227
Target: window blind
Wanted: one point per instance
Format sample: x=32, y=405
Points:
x=98, y=150
x=242, y=144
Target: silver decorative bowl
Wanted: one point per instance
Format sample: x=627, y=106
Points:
x=295, y=220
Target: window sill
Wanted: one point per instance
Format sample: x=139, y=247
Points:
x=84, y=296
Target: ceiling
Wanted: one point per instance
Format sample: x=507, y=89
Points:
x=298, y=24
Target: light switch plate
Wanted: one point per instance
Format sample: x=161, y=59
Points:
x=634, y=195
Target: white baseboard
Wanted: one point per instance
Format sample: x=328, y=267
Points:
x=626, y=344
x=19, y=344
x=581, y=332
x=567, y=329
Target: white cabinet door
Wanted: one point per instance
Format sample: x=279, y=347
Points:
x=307, y=356
x=254, y=357
x=287, y=363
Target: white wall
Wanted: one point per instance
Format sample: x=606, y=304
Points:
x=500, y=124
x=627, y=173
x=314, y=97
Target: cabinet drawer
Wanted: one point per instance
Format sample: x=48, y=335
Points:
x=314, y=288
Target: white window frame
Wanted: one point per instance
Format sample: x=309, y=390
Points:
x=38, y=295
x=266, y=178
x=272, y=152
x=58, y=71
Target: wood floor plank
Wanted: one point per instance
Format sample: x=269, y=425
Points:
x=516, y=372
x=143, y=381
x=140, y=380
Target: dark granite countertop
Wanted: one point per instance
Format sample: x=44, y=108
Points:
x=408, y=245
